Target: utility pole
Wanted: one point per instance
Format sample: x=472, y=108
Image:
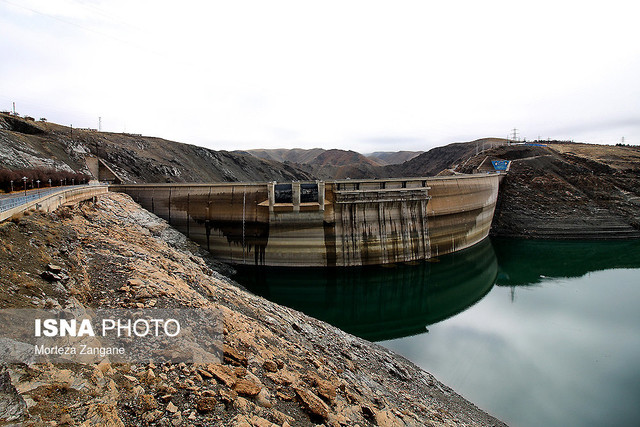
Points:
x=98, y=160
x=14, y=108
x=515, y=135
x=99, y=124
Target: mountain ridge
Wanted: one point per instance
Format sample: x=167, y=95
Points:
x=135, y=158
x=386, y=158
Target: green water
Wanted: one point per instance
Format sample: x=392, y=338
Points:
x=534, y=332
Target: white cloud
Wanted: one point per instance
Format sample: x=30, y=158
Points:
x=245, y=74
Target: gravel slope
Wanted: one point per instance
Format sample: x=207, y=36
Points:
x=280, y=367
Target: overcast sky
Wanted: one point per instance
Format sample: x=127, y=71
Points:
x=361, y=75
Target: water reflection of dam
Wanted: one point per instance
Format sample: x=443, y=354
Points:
x=379, y=303
x=332, y=223
x=527, y=262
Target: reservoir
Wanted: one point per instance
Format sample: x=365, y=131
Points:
x=534, y=332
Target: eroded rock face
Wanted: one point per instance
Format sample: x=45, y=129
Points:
x=12, y=405
x=568, y=191
x=280, y=367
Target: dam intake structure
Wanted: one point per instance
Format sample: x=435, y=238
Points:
x=328, y=223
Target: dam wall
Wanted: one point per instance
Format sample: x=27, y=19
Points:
x=328, y=223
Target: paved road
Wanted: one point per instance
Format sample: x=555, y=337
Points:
x=9, y=201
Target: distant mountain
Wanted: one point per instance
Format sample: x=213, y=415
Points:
x=308, y=156
x=324, y=164
x=134, y=158
x=341, y=164
x=392, y=157
x=337, y=157
x=293, y=155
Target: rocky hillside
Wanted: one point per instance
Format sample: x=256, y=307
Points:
x=440, y=159
x=567, y=191
x=280, y=367
x=135, y=158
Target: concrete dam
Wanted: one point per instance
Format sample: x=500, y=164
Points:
x=328, y=223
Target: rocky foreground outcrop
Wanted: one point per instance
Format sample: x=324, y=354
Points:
x=280, y=367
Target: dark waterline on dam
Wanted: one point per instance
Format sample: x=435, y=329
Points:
x=534, y=332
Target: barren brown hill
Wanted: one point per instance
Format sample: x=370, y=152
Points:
x=341, y=158
x=567, y=191
x=293, y=155
x=342, y=164
x=325, y=164
x=439, y=159
x=135, y=158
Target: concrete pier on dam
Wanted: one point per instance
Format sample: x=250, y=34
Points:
x=328, y=223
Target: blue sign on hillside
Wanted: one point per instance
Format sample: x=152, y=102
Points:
x=500, y=165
